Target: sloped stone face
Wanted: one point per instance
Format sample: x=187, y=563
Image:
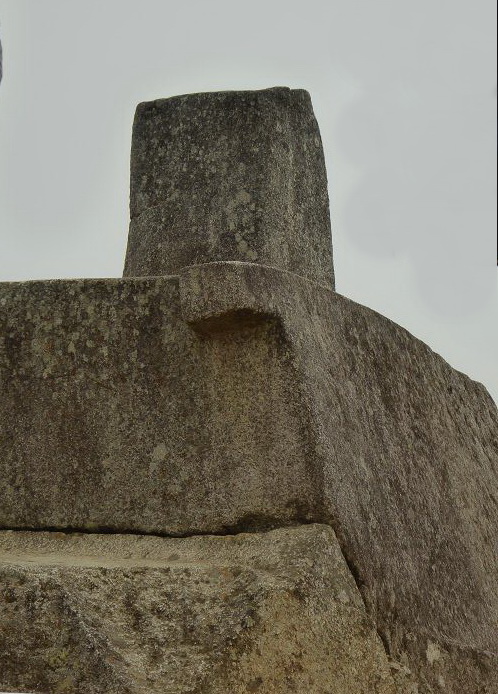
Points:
x=269, y=613
x=237, y=396
x=408, y=449
x=229, y=176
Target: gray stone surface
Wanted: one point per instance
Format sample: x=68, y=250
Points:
x=406, y=449
x=116, y=414
x=229, y=176
x=268, y=613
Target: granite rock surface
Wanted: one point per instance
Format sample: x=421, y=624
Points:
x=270, y=613
x=117, y=415
x=406, y=448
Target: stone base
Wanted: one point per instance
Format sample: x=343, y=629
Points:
x=269, y=612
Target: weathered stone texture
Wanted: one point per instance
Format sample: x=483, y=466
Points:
x=229, y=176
x=117, y=415
x=267, y=613
x=408, y=451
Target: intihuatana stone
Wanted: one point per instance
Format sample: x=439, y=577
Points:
x=235, y=396
x=229, y=176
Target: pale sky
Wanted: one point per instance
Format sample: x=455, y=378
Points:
x=404, y=93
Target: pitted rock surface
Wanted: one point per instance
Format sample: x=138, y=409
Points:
x=269, y=613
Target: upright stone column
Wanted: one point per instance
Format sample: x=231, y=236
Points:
x=229, y=176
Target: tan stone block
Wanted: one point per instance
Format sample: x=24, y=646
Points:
x=270, y=613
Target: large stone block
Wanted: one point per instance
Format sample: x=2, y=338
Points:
x=268, y=613
x=229, y=176
x=115, y=414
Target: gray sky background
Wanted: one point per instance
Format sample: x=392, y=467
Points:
x=404, y=93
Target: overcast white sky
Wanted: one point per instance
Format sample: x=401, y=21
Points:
x=404, y=93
